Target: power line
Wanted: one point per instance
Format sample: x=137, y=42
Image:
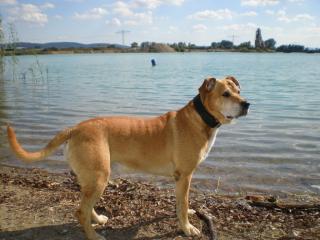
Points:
x=123, y=32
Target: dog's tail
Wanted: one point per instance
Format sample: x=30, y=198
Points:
x=29, y=157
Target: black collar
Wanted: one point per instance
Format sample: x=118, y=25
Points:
x=210, y=120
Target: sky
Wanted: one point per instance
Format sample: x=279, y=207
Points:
x=167, y=21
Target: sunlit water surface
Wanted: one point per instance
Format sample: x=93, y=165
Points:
x=275, y=148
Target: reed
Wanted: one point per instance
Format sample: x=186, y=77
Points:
x=12, y=45
x=36, y=72
x=2, y=51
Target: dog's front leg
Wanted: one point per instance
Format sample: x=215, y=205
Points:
x=182, y=199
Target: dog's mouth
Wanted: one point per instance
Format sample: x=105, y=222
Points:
x=243, y=113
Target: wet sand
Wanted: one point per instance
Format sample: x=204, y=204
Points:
x=36, y=204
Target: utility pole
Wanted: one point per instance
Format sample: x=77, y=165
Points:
x=123, y=32
x=233, y=37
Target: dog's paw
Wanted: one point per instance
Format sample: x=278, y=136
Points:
x=191, y=211
x=102, y=219
x=99, y=219
x=190, y=230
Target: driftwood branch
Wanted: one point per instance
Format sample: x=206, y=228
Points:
x=208, y=220
x=271, y=202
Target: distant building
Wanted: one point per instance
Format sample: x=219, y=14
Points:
x=145, y=44
x=259, y=43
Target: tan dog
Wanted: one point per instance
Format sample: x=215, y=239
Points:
x=172, y=145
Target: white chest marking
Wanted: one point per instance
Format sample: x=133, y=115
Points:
x=210, y=145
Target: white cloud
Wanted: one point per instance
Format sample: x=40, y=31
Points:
x=296, y=1
x=271, y=30
x=127, y=8
x=173, y=28
x=95, y=13
x=28, y=13
x=58, y=17
x=314, y=30
x=114, y=22
x=141, y=18
x=283, y=17
x=122, y=9
x=47, y=6
x=220, y=14
x=130, y=23
x=144, y=16
x=270, y=12
x=130, y=12
x=255, y=3
x=303, y=16
x=176, y=2
x=240, y=27
x=152, y=4
x=308, y=36
x=9, y=2
x=199, y=28
x=76, y=1
x=249, y=14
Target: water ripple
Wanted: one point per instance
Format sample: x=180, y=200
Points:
x=276, y=147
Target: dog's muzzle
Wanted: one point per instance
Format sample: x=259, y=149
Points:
x=245, y=108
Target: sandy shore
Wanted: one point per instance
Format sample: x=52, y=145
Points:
x=35, y=204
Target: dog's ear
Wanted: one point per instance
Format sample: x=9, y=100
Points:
x=235, y=81
x=208, y=84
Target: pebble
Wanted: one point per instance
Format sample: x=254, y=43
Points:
x=64, y=231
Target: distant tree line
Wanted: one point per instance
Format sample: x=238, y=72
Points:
x=225, y=44
x=268, y=45
x=259, y=45
x=296, y=48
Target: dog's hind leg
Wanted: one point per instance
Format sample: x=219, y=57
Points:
x=92, y=167
x=90, y=195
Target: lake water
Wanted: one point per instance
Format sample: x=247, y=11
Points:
x=275, y=148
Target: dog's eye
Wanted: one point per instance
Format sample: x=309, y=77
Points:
x=226, y=94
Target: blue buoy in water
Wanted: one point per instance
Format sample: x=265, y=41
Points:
x=153, y=62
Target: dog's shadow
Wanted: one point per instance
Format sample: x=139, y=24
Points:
x=73, y=231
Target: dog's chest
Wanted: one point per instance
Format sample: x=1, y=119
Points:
x=210, y=144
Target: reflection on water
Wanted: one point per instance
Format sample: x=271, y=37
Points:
x=275, y=148
x=2, y=107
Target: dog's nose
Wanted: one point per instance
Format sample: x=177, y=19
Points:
x=245, y=105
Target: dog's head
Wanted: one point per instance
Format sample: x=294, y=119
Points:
x=222, y=99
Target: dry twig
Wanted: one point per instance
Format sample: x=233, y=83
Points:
x=208, y=220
